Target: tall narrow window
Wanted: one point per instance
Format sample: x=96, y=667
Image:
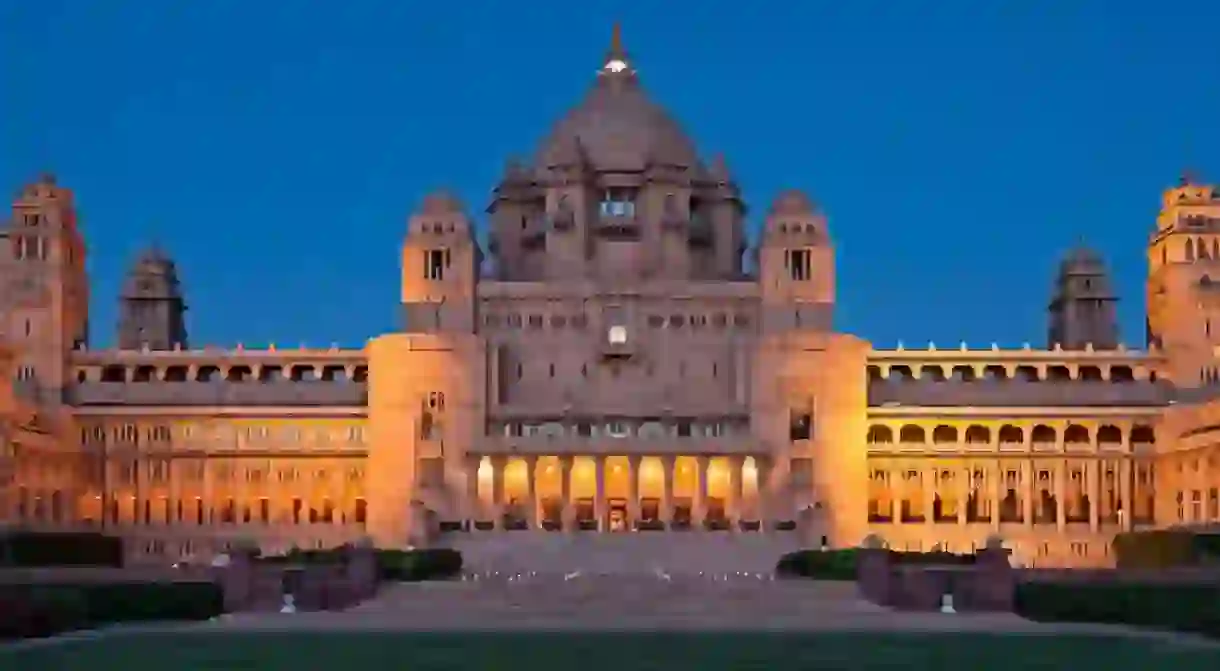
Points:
x=799, y=263
x=434, y=264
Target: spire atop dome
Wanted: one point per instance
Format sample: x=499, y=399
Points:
x=616, y=56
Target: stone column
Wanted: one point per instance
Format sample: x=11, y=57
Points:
x=668, y=465
x=599, y=499
x=762, y=469
x=565, y=494
x=1126, y=498
x=498, y=463
x=1061, y=472
x=1092, y=475
x=531, y=490
x=929, y=492
x=699, y=504
x=997, y=494
x=1027, y=493
x=735, y=498
x=633, y=489
x=964, y=488
x=473, y=506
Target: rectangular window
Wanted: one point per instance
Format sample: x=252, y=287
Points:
x=800, y=425
x=434, y=264
x=799, y=263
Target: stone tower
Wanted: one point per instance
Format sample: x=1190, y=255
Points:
x=796, y=267
x=440, y=269
x=152, y=311
x=1183, y=286
x=44, y=292
x=1083, y=308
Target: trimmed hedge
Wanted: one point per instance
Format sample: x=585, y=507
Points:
x=818, y=564
x=45, y=610
x=418, y=565
x=841, y=564
x=38, y=548
x=937, y=558
x=1191, y=608
x=1166, y=548
x=392, y=565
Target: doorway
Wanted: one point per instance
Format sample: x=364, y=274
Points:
x=618, y=520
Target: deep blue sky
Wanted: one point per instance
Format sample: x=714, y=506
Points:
x=276, y=148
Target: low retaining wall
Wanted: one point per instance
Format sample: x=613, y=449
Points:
x=250, y=585
x=986, y=585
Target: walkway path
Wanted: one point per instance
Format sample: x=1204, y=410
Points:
x=607, y=602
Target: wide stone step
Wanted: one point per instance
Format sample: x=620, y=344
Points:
x=638, y=553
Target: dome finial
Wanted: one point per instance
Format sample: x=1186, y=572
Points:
x=616, y=56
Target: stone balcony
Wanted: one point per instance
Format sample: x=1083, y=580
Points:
x=1014, y=394
x=298, y=394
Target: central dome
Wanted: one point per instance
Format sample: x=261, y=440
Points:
x=616, y=128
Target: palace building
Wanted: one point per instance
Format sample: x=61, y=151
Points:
x=609, y=361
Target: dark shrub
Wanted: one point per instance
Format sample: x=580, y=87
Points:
x=417, y=565
x=818, y=564
x=27, y=612
x=650, y=525
x=930, y=558
x=46, y=610
x=36, y=548
x=1165, y=548
x=1180, y=607
x=141, y=601
x=785, y=525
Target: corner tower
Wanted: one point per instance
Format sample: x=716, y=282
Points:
x=44, y=291
x=1183, y=286
x=1083, y=309
x=796, y=266
x=152, y=311
x=440, y=269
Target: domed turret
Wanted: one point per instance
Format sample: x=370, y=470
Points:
x=1083, y=308
x=152, y=312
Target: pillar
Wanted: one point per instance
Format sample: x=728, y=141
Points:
x=633, y=489
x=599, y=499
x=762, y=469
x=964, y=488
x=735, y=502
x=699, y=505
x=928, y=475
x=531, y=490
x=497, y=489
x=668, y=465
x=565, y=494
x=1092, y=485
x=1126, y=499
x=998, y=491
x=472, y=505
x=1027, y=493
x=1061, y=472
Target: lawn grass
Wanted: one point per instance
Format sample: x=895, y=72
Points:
x=353, y=651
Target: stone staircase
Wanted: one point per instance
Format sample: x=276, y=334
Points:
x=688, y=553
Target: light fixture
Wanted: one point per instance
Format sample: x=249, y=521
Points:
x=617, y=335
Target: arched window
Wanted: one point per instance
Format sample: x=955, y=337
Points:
x=880, y=434
x=944, y=434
